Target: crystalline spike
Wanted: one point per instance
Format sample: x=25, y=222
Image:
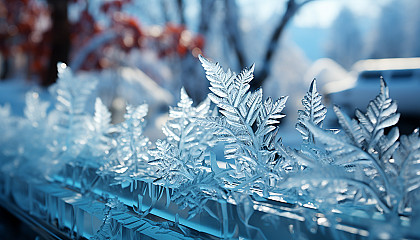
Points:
x=314, y=111
x=384, y=88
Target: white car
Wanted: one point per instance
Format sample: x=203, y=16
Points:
x=402, y=76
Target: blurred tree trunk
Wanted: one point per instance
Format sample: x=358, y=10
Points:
x=291, y=9
x=4, y=68
x=207, y=10
x=165, y=10
x=196, y=88
x=180, y=4
x=60, y=42
x=233, y=33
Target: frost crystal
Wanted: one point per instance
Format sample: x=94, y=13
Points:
x=364, y=147
x=196, y=193
x=407, y=158
x=366, y=166
x=248, y=125
x=35, y=110
x=314, y=112
x=69, y=118
x=34, y=125
x=100, y=141
x=110, y=229
x=310, y=154
x=131, y=143
x=129, y=158
x=180, y=157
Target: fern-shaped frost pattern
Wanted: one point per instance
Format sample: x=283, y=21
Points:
x=314, y=112
x=254, y=151
x=100, y=141
x=35, y=110
x=69, y=118
x=132, y=144
x=129, y=159
x=363, y=164
x=407, y=158
x=180, y=157
x=34, y=125
x=364, y=142
x=311, y=155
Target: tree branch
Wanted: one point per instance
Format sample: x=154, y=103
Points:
x=207, y=9
x=291, y=9
x=233, y=32
x=181, y=7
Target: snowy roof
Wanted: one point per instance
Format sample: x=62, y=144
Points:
x=386, y=64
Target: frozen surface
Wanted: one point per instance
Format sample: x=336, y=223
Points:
x=63, y=161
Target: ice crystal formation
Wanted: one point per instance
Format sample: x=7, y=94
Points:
x=128, y=159
x=364, y=165
x=100, y=142
x=69, y=119
x=181, y=156
x=183, y=160
x=248, y=125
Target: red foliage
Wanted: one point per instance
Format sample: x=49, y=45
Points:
x=176, y=39
x=24, y=28
x=20, y=31
x=172, y=40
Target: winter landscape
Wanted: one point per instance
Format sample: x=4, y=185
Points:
x=214, y=119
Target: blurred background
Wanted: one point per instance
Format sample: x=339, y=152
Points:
x=145, y=50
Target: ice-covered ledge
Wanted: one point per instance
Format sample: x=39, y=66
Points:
x=362, y=181
x=62, y=205
x=65, y=210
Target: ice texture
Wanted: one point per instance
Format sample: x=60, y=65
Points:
x=65, y=163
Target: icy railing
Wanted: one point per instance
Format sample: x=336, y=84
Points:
x=91, y=179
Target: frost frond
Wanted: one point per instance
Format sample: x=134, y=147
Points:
x=363, y=142
x=129, y=158
x=171, y=170
x=314, y=112
x=186, y=144
x=247, y=125
x=102, y=117
x=407, y=158
x=100, y=141
x=69, y=121
x=196, y=193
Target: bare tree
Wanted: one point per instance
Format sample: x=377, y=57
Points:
x=234, y=38
x=292, y=8
x=181, y=7
x=233, y=33
x=207, y=10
